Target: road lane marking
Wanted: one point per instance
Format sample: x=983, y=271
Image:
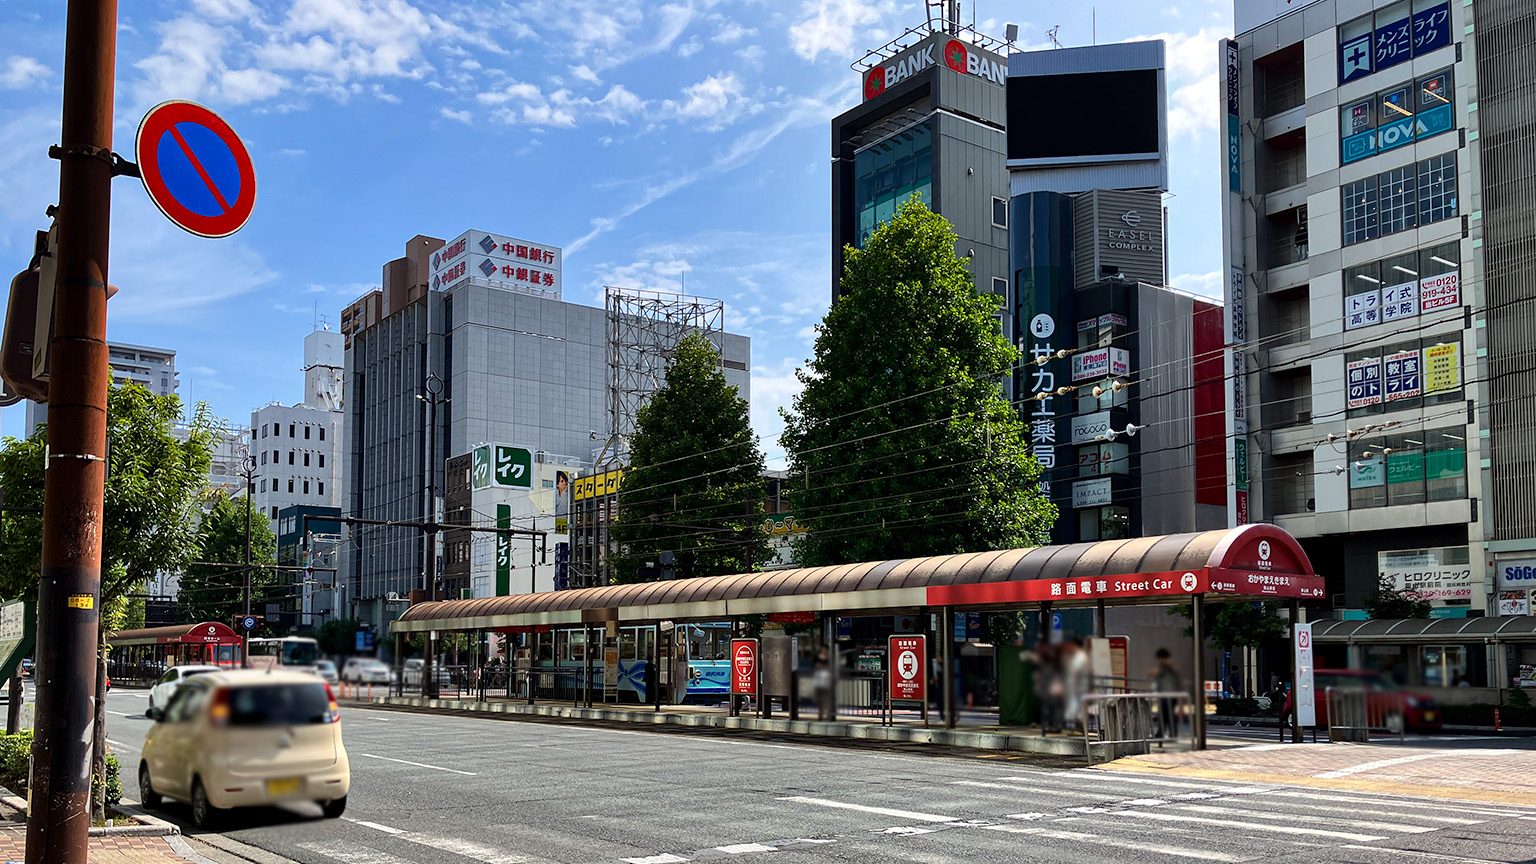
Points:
x=1387, y=802
x=1136, y=845
x=420, y=764
x=351, y=853
x=374, y=825
x=1250, y=826
x=1112, y=779
x=1327, y=820
x=743, y=848
x=1414, y=853
x=1330, y=808
x=663, y=858
x=879, y=811
x=122, y=745
x=1012, y=787
x=121, y=714
x=466, y=848
x=1403, y=760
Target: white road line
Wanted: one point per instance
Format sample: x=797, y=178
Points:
x=743, y=848
x=466, y=848
x=1250, y=826
x=374, y=825
x=351, y=853
x=121, y=714
x=1414, y=853
x=1139, y=846
x=122, y=745
x=1387, y=802
x=879, y=811
x=1026, y=817
x=1106, y=777
x=1403, y=760
x=1333, y=808
x=663, y=858
x=421, y=765
x=1012, y=787
x=1326, y=820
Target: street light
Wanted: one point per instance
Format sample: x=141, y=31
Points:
x=433, y=398
x=248, y=468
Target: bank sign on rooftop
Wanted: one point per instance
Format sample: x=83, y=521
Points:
x=504, y=262
x=940, y=49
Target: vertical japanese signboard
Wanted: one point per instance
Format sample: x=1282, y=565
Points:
x=514, y=467
x=1404, y=375
x=1306, y=696
x=908, y=668
x=480, y=468
x=1234, y=124
x=1363, y=380
x=503, y=550
x=743, y=667
x=1442, y=368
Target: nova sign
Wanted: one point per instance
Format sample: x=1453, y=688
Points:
x=958, y=56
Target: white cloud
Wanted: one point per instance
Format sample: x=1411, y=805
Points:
x=224, y=10
x=251, y=85
x=22, y=72
x=830, y=25
x=773, y=387
x=1193, y=96
x=716, y=100
x=690, y=48
x=729, y=31
x=460, y=116
x=1205, y=284
x=585, y=73
x=524, y=103
x=752, y=55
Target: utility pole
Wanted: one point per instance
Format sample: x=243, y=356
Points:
x=69, y=591
x=434, y=388
x=249, y=464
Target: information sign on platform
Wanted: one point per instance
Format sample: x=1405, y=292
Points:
x=909, y=668
x=744, y=667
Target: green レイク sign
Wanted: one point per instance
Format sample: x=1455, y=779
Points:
x=18, y=630
x=514, y=467
x=503, y=550
x=480, y=473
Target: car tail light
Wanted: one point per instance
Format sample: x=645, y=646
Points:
x=330, y=696
x=218, y=708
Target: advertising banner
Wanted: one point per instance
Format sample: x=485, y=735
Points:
x=1404, y=375
x=496, y=259
x=1434, y=574
x=743, y=667
x=1234, y=123
x=1087, y=428
x=1100, y=363
x=1516, y=575
x=908, y=668
x=1442, y=368
x=1440, y=292
x=1363, y=378
x=1362, y=310
x=503, y=550
x=1091, y=493
x=1163, y=584
x=611, y=670
x=1400, y=301
x=1514, y=602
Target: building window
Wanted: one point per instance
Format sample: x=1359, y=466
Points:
x=1402, y=376
x=263, y=485
x=306, y=460
x=1403, y=286
x=290, y=431
x=1445, y=464
x=1393, y=35
x=322, y=433
x=1437, y=188
x=290, y=457
x=999, y=212
x=1360, y=211
x=322, y=460
x=306, y=433
x=889, y=172
x=290, y=485
x=1104, y=523
x=263, y=457
x=306, y=487
x=322, y=487
x=263, y=430
x=275, y=458
x=274, y=512
x=1393, y=118
x=1408, y=469
x=1395, y=199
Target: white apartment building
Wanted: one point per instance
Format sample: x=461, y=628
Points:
x=295, y=446
x=155, y=368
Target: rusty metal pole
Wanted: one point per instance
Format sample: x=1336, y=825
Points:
x=69, y=601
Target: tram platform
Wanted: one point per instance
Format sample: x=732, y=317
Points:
x=978, y=730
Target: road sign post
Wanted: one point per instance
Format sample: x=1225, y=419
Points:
x=906, y=674
x=744, y=671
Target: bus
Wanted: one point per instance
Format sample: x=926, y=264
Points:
x=298, y=653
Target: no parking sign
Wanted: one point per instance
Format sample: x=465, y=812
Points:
x=196, y=169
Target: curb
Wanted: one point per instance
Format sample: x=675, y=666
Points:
x=994, y=741
x=151, y=826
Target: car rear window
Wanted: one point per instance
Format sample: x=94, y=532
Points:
x=278, y=705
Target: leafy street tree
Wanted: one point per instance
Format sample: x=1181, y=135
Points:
x=901, y=443
x=338, y=637
x=214, y=590
x=154, y=481
x=1386, y=600
x=695, y=482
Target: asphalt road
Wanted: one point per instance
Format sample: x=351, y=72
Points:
x=459, y=790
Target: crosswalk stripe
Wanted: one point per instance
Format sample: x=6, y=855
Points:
x=663, y=858
x=351, y=853
x=1414, y=853
x=466, y=848
x=1011, y=787
x=1137, y=845
x=1250, y=826
x=1333, y=808
x=1386, y=802
x=879, y=811
x=1328, y=820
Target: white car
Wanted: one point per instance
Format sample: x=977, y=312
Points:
x=327, y=671
x=160, y=694
x=365, y=670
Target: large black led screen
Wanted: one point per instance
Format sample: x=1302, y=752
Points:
x=1082, y=114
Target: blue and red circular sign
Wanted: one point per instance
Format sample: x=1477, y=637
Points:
x=196, y=169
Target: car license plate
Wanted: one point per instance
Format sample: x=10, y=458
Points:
x=289, y=786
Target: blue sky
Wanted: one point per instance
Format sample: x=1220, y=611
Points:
x=657, y=142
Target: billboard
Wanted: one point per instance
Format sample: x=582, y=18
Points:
x=1085, y=116
x=505, y=262
x=940, y=49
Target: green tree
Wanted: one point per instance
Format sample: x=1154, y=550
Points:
x=695, y=482
x=153, y=485
x=901, y=443
x=1386, y=600
x=214, y=589
x=339, y=636
x=1237, y=625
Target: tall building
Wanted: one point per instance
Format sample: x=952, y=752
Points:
x=154, y=368
x=931, y=123
x=520, y=369
x=1376, y=199
x=296, y=446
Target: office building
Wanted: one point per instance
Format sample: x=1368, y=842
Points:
x=154, y=368
x=1376, y=200
x=515, y=366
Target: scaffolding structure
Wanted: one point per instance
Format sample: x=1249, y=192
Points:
x=643, y=329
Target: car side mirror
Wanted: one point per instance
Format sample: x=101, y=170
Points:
x=155, y=714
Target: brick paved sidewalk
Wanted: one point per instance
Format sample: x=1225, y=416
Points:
x=1504, y=772
x=103, y=850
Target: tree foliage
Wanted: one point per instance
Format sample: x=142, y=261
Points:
x=214, y=590
x=1237, y=625
x=901, y=443
x=695, y=482
x=1386, y=600
x=153, y=488
x=339, y=636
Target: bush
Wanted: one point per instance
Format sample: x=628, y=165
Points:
x=114, y=782
x=15, y=759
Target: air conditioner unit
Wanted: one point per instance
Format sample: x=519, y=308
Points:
x=540, y=456
x=1303, y=417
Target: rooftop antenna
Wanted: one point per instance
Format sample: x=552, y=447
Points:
x=1051, y=35
x=1095, y=25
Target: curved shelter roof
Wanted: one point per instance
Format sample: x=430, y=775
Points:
x=206, y=633
x=1252, y=560
x=1427, y=631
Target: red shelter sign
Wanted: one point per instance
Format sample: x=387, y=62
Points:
x=744, y=667
x=909, y=668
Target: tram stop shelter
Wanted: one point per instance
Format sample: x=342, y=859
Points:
x=1245, y=563
x=141, y=656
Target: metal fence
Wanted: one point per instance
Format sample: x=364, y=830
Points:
x=1128, y=724
x=1353, y=714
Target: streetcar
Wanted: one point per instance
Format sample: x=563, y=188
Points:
x=556, y=656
